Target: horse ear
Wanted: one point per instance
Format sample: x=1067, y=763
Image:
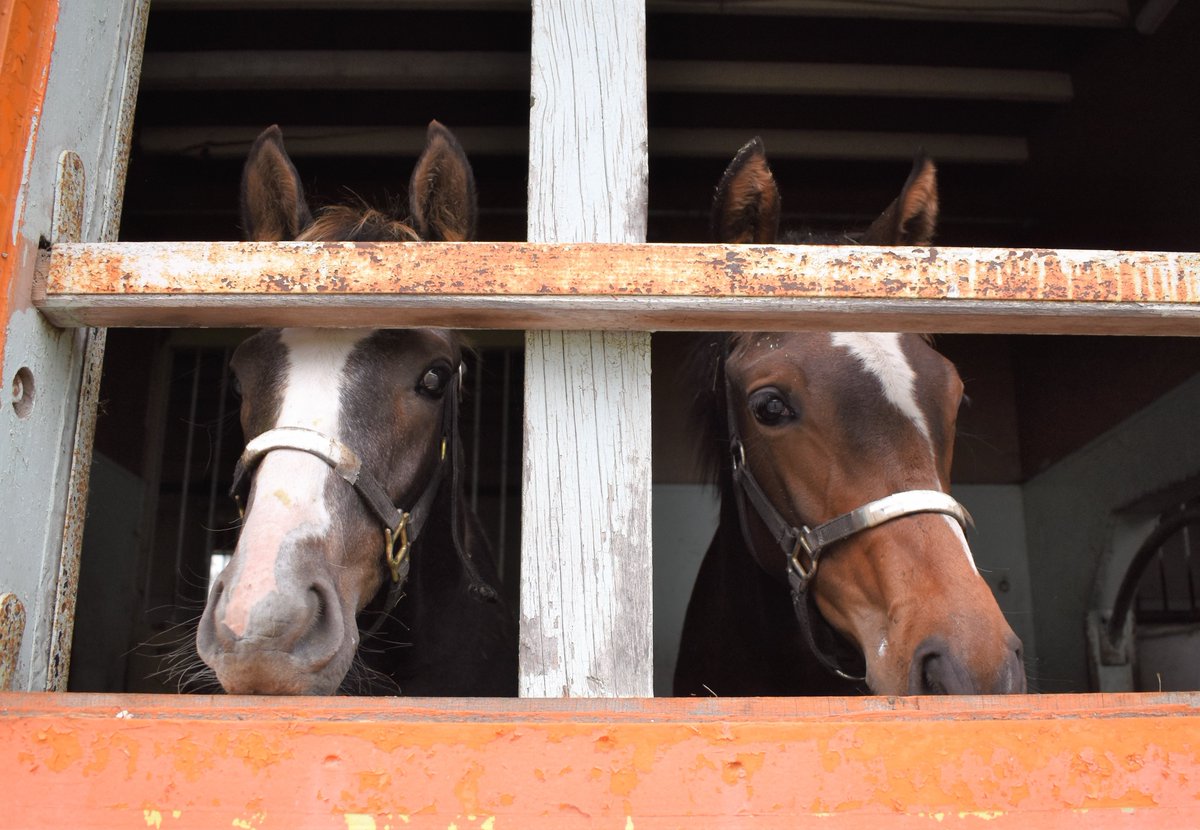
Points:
x=912, y=217
x=746, y=207
x=272, y=203
x=441, y=195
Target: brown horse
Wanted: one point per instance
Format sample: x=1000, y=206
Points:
x=839, y=558
x=354, y=509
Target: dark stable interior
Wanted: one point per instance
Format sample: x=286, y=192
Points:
x=1098, y=151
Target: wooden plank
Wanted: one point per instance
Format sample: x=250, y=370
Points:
x=90, y=89
x=1063, y=761
x=300, y=69
x=586, y=622
x=330, y=69
x=1045, y=12
x=633, y=287
x=218, y=141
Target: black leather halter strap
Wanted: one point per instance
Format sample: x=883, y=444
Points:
x=803, y=546
x=399, y=526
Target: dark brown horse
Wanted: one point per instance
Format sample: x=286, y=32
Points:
x=839, y=563
x=356, y=529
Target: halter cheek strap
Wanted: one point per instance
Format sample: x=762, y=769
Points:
x=398, y=525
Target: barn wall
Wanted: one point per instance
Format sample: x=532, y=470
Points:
x=1070, y=521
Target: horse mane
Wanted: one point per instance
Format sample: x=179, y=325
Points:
x=705, y=371
x=350, y=223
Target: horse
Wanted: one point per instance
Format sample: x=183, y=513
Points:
x=840, y=563
x=357, y=547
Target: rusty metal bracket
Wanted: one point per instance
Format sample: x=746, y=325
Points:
x=66, y=220
x=67, y=226
x=12, y=629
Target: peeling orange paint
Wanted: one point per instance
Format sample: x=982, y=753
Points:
x=26, y=44
x=1025, y=762
x=622, y=781
x=63, y=748
x=467, y=789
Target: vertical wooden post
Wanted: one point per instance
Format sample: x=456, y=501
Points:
x=90, y=83
x=586, y=624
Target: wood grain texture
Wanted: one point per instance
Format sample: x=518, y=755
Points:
x=1054, y=761
x=632, y=287
x=90, y=88
x=586, y=621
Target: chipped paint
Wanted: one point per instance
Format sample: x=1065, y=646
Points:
x=78, y=61
x=1020, y=762
x=67, y=226
x=631, y=287
x=12, y=631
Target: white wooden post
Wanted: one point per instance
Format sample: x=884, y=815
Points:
x=586, y=623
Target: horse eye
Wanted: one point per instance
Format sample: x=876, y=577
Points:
x=769, y=407
x=433, y=382
x=236, y=385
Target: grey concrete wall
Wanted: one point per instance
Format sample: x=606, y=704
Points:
x=1071, y=517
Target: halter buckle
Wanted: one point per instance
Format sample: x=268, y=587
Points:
x=799, y=573
x=395, y=559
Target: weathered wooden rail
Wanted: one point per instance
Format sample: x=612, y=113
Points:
x=629, y=287
x=1089, y=761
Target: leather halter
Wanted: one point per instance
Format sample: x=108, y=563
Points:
x=403, y=526
x=803, y=546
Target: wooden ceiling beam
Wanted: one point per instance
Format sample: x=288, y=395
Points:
x=399, y=70
x=1109, y=13
x=307, y=141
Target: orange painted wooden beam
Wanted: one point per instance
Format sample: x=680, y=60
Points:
x=26, y=42
x=629, y=287
x=1093, y=761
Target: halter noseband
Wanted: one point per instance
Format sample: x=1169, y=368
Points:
x=403, y=526
x=803, y=546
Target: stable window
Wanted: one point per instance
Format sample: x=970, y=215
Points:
x=1162, y=303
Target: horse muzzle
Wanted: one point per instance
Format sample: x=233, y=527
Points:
x=294, y=639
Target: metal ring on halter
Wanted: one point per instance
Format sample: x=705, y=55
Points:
x=396, y=559
x=737, y=452
x=802, y=575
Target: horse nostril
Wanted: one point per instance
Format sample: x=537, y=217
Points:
x=931, y=674
x=1015, y=681
x=323, y=632
x=935, y=670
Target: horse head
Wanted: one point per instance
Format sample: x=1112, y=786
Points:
x=347, y=434
x=840, y=451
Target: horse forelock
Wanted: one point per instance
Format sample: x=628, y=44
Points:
x=349, y=223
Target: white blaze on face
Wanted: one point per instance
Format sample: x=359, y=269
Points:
x=957, y=530
x=882, y=355
x=289, y=485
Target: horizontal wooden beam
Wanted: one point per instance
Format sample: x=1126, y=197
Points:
x=1064, y=761
x=307, y=140
x=621, y=287
x=1044, y=12
x=410, y=70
